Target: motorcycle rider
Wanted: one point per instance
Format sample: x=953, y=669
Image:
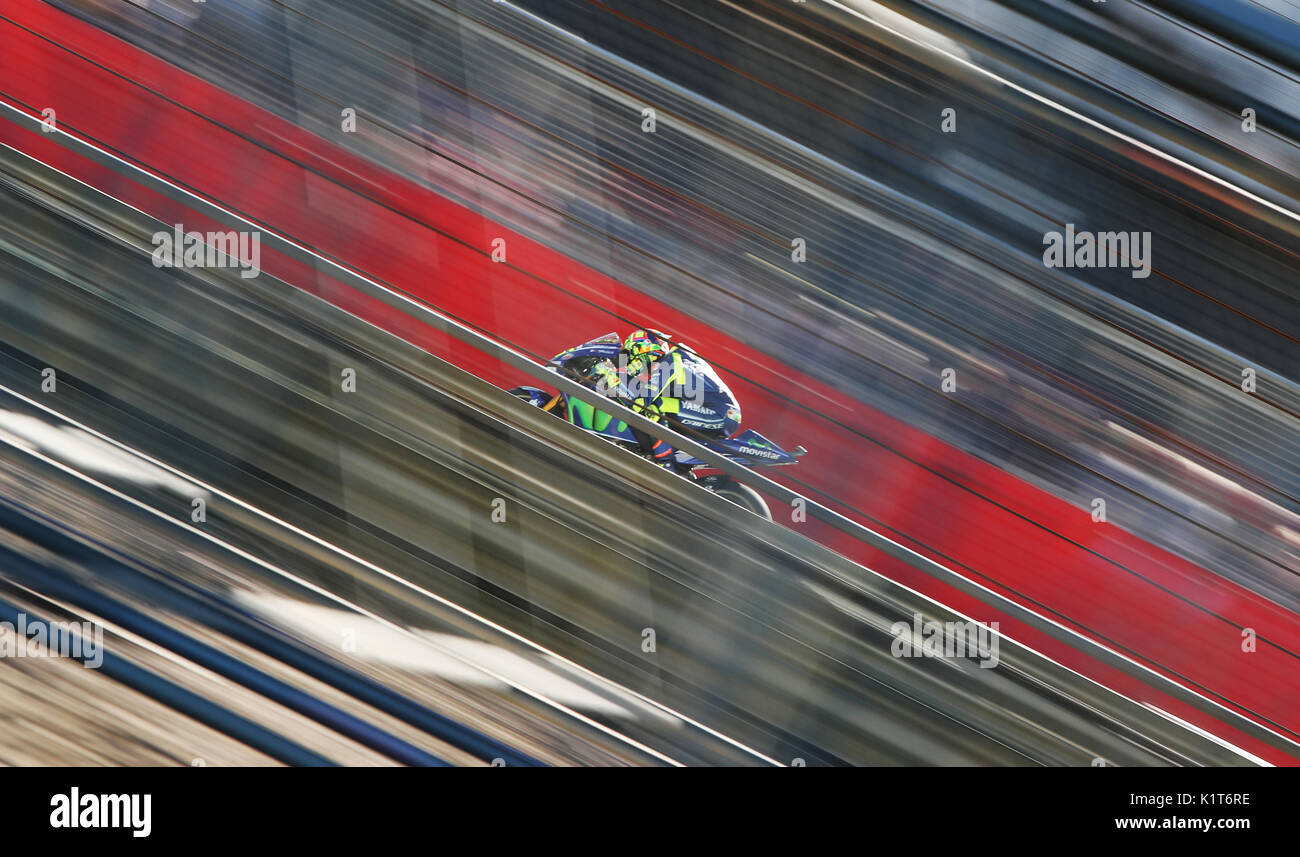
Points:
x=650, y=379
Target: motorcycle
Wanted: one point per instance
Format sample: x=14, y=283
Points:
x=709, y=414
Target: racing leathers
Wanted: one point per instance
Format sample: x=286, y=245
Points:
x=652, y=389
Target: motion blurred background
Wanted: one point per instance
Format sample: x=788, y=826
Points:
x=348, y=596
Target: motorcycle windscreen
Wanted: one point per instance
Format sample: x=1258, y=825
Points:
x=606, y=346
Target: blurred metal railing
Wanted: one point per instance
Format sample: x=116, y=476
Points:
x=125, y=671
x=18, y=520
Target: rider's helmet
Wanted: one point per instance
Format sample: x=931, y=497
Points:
x=645, y=346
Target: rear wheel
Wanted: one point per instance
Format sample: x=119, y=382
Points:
x=744, y=496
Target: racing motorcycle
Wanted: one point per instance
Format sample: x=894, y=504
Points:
x=709, y=414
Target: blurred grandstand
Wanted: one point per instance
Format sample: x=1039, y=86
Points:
x=842, y=204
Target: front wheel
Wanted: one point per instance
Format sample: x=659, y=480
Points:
x=531, y=395
x=540, y=399
x=745, y=497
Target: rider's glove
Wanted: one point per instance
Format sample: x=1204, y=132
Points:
x=603, y=373
x=650, y=411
